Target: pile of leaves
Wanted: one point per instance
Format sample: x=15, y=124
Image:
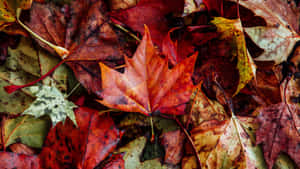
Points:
x=149, y=84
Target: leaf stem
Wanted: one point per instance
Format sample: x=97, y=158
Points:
x=73, y=90
x=152, y=130
x=58, y=49
x=127, y=31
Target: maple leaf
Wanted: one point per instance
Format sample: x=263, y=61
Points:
x=25, y=129
x=148, y=85
x=89, y=39
x=81, y=147
x=226, y=144
x=233, y=29
x=279, y=131
x=50, y=101
x=279, y=36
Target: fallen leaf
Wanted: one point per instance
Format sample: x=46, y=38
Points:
x=115, y=162
x=152, y=13
x=50, y=101
x=89, y=39
x=8, y=10
x=148, y=85
x=25, y=129
x=279, y=36
x=283, y=162
x=133, y=151
x=12, y=160
x=279, y=131
x=122, y=4
x=226, y=144
x=173, y=144
x=81, y=147
x=233, y=29
x=20, y=148
x=26, y=64
x=203, y=109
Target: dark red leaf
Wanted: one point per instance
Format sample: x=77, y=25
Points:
x=10, y=160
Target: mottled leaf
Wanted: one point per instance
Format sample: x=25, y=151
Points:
x=279, y=131
x=279, y=36
x=50, y=101
x=226, y=144
x=82, y=147
x=233, y=29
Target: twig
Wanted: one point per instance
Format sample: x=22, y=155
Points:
x=127, y=31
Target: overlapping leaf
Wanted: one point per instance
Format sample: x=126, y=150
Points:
x=50, y=101
x=148, y=85
x=233, y=29
x=279, y=131
x=280, y=35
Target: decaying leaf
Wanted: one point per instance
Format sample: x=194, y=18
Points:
x=279, y=131
x=25, y=65
x=50, y=101
x=280, y=35
x=226, y=144
x=233, y=29
x=81, y=147
x=133, y=151
x=203, y=109
x=148, y=85
x=25, y=129
x=8, y=10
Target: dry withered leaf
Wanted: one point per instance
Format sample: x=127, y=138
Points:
x=89, y=39
x=226, y=144
x=148, y=85
x=280, y=35
x=279, y=131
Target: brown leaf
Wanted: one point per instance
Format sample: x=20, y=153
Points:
x=279, y=131
x=148, y=85
x=89, y=39
x=173, y=144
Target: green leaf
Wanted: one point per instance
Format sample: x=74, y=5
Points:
x=26, y=64
x=25, y=129
x=133, y=151
x=50, y=101
x=232, y=29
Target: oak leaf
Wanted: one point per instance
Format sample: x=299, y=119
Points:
x=148, y=85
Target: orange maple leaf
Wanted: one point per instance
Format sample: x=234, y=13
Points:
x=148, y=85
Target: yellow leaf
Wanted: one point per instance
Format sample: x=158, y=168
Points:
x=232, y=29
